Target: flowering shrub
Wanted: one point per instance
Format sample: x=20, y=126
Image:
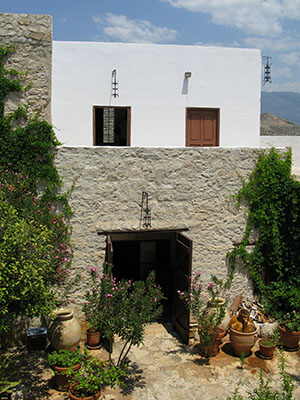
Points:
x=65, y=358
x=205, y=306
x=121, y=308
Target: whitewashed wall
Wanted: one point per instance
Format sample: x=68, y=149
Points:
x=285, y=141
x=151, y=82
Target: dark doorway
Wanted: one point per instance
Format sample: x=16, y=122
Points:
x=169, y=254
x=111, y=126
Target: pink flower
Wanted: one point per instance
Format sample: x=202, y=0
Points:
x=93, y=269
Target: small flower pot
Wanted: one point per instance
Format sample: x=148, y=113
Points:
x=61, y=380
x=242, y=342
x=266, y=352
x=213, y=349
x=289, y=339
x=92, y=339
x=74, y=396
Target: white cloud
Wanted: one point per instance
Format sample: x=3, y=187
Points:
x=121, y=28
x=292, y=58
x=282, y=72
x=282, y=87
x=277, y=44
x=259, y=17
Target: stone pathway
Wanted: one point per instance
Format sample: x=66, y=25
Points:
x=165, y=369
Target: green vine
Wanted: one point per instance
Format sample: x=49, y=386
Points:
x=35, y=250
x=273, y=198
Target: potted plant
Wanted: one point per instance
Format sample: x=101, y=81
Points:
x=289, y=330
x=60, y=361
x=208, y=310
x=87, y=382
x=267, y=345
x=242, y=333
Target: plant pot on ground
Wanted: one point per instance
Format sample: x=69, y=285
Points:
x=208, y=310
x=267, y=347
x=93, y=338
x=242, y=333
x=289, y=330
x=209, y=347
x=62, y=360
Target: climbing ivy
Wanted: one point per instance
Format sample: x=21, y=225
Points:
x=35, y=251
x=273, y=197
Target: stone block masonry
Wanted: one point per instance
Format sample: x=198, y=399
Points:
x=32, y=36
x=188, y=187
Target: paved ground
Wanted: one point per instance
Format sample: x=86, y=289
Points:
x=165, y=369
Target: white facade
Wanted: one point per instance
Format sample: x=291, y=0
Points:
x=151, y=82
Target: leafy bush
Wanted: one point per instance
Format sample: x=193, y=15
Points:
x=273, y=198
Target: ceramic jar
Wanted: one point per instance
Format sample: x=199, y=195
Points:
x=64, y=331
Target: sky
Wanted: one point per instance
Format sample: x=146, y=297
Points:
x=273, y=26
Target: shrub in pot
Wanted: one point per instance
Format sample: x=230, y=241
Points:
x=60, y=361
x=208, y=310
x=289, y=330
x=267, y=345
x=88, y=381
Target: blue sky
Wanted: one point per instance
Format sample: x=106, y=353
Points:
x=270, y=25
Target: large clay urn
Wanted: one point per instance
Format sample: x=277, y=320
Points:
x=64, y=331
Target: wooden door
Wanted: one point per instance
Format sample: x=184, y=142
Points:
x=202, y=127
x=109, y=256
x=182, y=273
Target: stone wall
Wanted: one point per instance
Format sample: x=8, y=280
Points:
x=32, y=35
x=188, y=187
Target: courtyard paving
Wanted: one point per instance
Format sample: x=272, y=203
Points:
x=165, y=369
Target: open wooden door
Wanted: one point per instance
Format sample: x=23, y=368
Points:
x=182, y=273
x=109, y=256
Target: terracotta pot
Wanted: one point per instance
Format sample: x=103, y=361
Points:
x=242, y=342
x=213, y=349
x=74, y=397
x=266, y=352
x=62, y=381
x=289, y=339
x=64, y=331
x=92, y=338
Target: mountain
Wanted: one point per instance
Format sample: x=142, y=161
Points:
x=282, y=104
x=271, y=125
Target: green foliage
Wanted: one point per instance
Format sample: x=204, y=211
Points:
x=273, y=198
x=94, y=374
x=65, y=358
x=121, y=308
x=6, y=372
x=34, y=238
x=265, y=392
